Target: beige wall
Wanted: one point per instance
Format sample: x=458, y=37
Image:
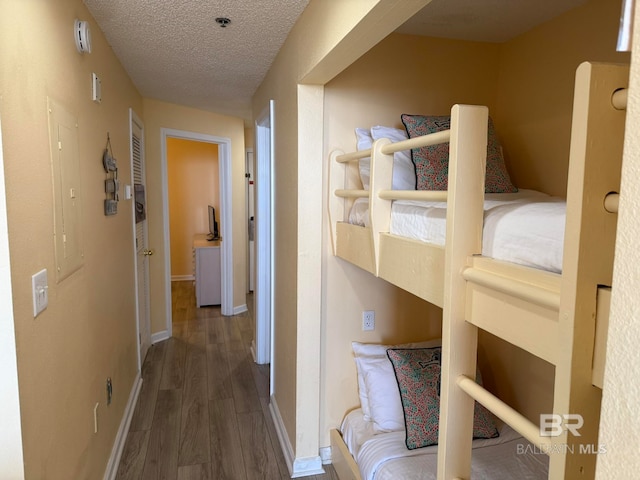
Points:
x=249, y=137
x=193, y=178
x=88, y=331
x=160, y=115
x=535, y=90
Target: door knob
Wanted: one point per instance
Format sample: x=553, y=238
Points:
x=148, y=252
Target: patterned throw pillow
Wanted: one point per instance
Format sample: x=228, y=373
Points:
x=418, y=374
x=432, y=162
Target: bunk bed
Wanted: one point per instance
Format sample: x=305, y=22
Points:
x=560, y=317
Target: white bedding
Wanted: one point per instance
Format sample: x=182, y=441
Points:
x=526, y=227
x=384, y=456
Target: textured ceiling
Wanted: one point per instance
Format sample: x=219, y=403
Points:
x=174, y=51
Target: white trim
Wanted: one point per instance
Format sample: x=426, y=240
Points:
x=160, y=336
x=281, y=431
x=11, y=455
x=226, y=217
x=303, y=467
x=182, y=278
x=123, y=431
x=240, y=309
x=250, y=204
x=325, y=455
x=264, y=155
x=298, y=467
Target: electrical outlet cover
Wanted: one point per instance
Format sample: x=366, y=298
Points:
x=368, y=320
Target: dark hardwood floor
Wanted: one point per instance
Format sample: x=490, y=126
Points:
x=203, y=411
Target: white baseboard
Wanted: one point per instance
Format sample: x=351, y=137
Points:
x=123, y=430
x=240, y=309
x=298, y=467
x=182, y=278
x=306, y=466
x=325, y=455
x=159, y=336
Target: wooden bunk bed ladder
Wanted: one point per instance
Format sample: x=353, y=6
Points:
x=467, y=164
x=560, y=318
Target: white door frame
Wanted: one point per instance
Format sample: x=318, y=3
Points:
x=226, y=218
x=264, y=128
x=250, y=208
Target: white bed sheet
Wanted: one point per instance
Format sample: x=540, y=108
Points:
x=356, y=430
x=385, y=457
x=526, y=228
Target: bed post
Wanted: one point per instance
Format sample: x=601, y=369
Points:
x=379, y=209
x=467, y=160
x=337, y=180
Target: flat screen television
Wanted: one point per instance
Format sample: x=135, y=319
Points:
x=213, y=224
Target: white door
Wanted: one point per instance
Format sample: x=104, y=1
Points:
x=264, y=238
x=140, y=228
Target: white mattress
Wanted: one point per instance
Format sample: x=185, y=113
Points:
x=385, y=457
x=526, y=227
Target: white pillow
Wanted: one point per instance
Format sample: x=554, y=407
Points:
x=364, y=141
x=378, y=390
x=404, y=174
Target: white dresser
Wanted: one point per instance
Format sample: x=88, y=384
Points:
x=207, y=270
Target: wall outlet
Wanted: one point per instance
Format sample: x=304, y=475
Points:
x=368, y=320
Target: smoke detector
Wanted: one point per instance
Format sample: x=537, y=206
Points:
x=223, y=21
x=82, y=35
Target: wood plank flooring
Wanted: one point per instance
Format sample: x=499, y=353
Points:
x=203, y=411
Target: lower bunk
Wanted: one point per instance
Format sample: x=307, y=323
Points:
x=360, y=454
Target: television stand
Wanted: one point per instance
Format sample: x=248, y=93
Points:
x=207, y=270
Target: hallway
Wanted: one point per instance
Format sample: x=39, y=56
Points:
x=203, y=411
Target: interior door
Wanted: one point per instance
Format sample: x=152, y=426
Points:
x=143, y=252
x=264, y=238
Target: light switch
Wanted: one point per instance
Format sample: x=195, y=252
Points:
x=40, y=288
x=96, y=88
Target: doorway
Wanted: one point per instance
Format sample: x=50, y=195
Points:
x=225, y=217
